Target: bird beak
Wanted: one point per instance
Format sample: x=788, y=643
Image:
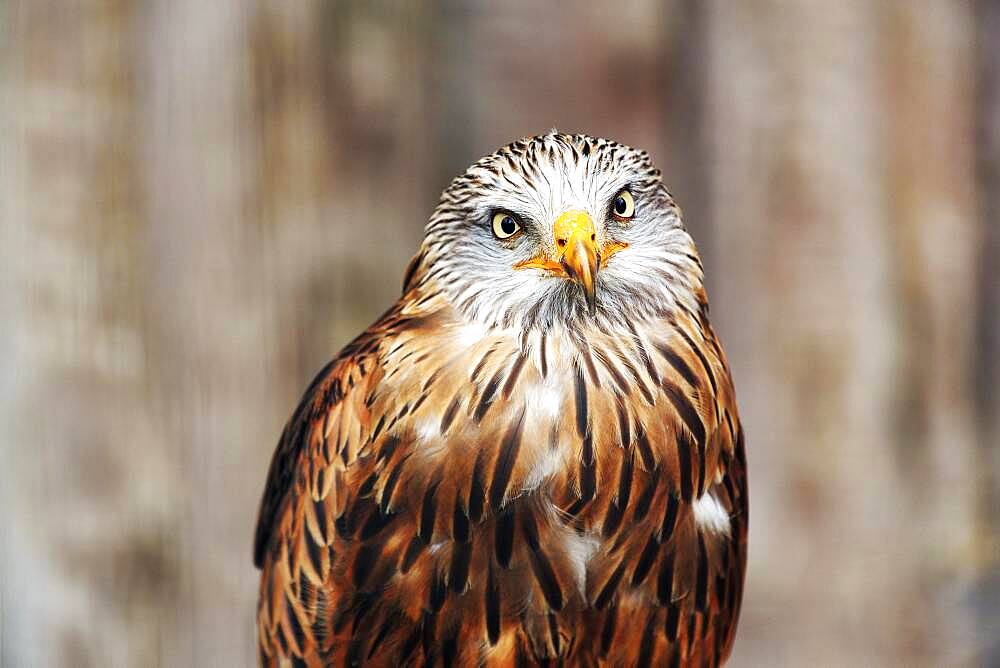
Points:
x=577, y=256
x=576, y=241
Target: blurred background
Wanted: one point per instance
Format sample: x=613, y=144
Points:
x=201, y=202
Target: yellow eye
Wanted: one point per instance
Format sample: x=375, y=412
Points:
x=624, y=205
x=505, y=225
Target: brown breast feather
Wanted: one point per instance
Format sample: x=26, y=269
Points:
x=517, y=500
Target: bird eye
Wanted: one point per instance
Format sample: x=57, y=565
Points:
x=505, y=225
x=624, y=205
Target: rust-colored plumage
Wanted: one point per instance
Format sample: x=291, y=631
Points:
x=452, y=493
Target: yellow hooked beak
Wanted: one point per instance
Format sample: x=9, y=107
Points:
x=577, y=255
x=575, y=239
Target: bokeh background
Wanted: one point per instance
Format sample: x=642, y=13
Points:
x=200, y=202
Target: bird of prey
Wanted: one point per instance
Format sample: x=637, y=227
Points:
x=534, y=457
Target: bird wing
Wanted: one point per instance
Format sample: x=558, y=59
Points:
x=332, y=419
x=307, y=491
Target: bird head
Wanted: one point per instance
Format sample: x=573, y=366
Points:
x=558, y=229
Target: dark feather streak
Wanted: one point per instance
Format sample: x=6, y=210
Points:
x=609, y=588
x=460, y=524
x=413, y=550
x=515, y=371
x=646, y=560
x=648, y=643
x=612, y=519
x=449, y=649
x=645, y=449
x=684, y=446
x=665, y=578
x=625, y=481
x=428, y=636
x=314, y=554
x=588, y=472
x=542, y=355
x=376, y=521
x=479, y=367
x=608, y=630
x=388, y=626
x=669, y=518
x=438, y=592
x=492, y=607
x=618, y=505
x=672, y=622
x=588, y=361
x=293, y=621
x=450, y=413
x=642, y=504
x=554, y=633
x=624, y=426
x=678, y=363
x=367, y=486
x=409, y=645
x=488, y=396
x=702, y=359
x=458, y=574
x=623, y=387
x=686, y=411
x=378, y=428
x=701, y=584
x=477, y=491
x=544, y=573
x=322, y=522
x=428, y=511
x=390, y=484
x=365, y=561
x=503, y=541
x=580, y=386
x=506, y=459
x=644, y=356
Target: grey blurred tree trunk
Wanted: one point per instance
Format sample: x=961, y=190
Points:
x=89, y=567
x=986, y=597
x=988, y=367
x=840, y=212
x=201, y=203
